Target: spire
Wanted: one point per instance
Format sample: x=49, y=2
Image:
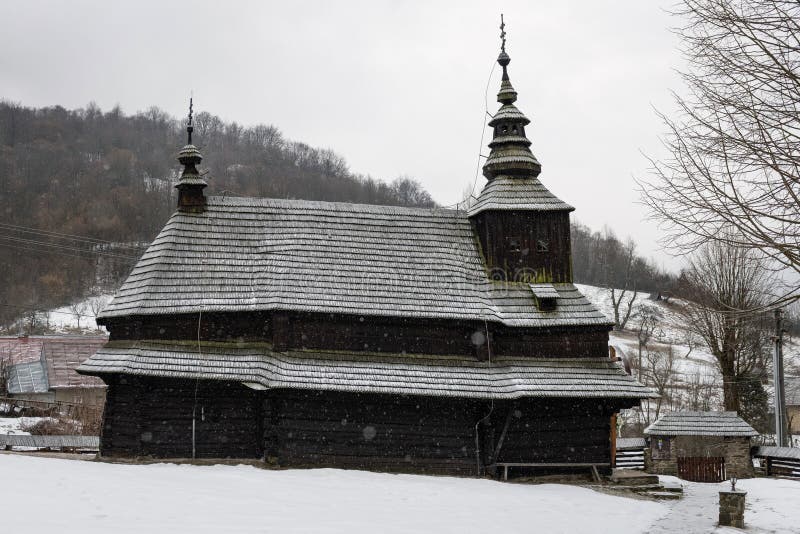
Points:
x=190, y=185
x=510, y=153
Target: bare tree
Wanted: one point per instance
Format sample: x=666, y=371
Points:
x=78, y=310
x=734, y=160
x=727, y=284
x=627, y=285
x=647, y=327
x=661, y=374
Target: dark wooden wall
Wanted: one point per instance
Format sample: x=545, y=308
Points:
x=374, y=334
x=153, y=417
x=509, y=241
x=378, y=432
x=298, y=428
x=555, y=430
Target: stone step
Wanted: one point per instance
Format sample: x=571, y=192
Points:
x=664, y=495
x=633, y=478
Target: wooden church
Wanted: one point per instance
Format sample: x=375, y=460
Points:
x=358, y=336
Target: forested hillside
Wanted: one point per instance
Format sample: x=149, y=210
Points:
x=83, y=191
x=73, y=183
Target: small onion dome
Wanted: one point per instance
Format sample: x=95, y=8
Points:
x=190, y=157
x=510, y=153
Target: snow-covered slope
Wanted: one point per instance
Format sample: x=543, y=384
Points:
x=694, y=364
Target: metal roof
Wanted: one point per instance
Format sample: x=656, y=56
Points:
x=251, y=254
x=700, y=424
x=29, y=377
x=40, y=363
x=441, y=376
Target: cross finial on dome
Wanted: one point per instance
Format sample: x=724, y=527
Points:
x=190, y=128
x=502, y=33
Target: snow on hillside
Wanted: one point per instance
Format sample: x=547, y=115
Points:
x=77, y=318
x=694, y=363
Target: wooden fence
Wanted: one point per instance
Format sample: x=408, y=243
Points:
x=702, y=469
x=63, y=443
x=781, y=462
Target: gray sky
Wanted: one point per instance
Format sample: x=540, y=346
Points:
x=394, y=87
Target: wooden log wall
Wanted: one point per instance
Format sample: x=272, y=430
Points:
x=374, y=334
x=380, y=432
x=297, y=428
x=554, y=430
x=511, y=245
x=153, y=417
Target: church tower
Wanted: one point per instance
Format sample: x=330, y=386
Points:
x=523, y=229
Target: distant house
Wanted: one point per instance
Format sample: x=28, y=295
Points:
x=688, y=443
x=42, y=368
x=792, y=396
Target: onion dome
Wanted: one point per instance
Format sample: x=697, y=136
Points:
x=510, y=153
x=190, y=185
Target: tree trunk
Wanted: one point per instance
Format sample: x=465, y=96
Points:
x=730, y=391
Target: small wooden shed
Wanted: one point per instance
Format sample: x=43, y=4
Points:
x=700, y=446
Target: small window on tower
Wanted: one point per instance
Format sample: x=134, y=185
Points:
x=514, y=245
x=542, y=245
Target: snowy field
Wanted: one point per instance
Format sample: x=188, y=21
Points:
x=57, y=495
x=60, y=495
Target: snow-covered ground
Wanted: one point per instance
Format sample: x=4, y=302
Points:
x=82, y=496
x=78, y=317
x=14, y=425
x=58, y=495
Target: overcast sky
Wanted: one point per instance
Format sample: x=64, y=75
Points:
x=397, y=88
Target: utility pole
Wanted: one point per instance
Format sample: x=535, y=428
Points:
x=777, y=365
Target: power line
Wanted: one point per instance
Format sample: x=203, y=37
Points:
x=59, y=235
x=43, y=245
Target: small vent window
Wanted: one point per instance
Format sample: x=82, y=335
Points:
x=545, y=296
x=542, y=245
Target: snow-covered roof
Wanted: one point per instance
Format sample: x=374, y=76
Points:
x=252, y=254
x=509, y=193
x=700, y=424
x=440, y=376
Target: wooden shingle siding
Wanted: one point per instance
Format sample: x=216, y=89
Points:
x=364, y=372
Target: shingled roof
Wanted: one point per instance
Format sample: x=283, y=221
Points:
x=249, y=254
x=700, y=424
x=364, y=372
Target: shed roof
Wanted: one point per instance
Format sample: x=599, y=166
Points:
x=250, y=254
x=28, y=377
x=40, y=363
x=700, y=424
x=440, y=376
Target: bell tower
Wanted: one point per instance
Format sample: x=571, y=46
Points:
x=523, y=228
